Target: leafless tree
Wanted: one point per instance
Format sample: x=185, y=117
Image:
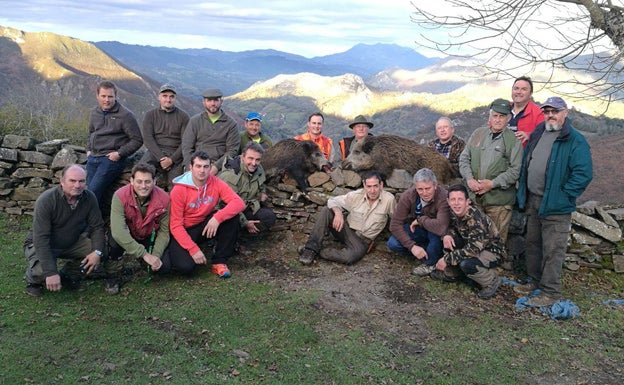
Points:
x=516, y=37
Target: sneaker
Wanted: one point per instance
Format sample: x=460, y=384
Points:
x=221, y=269
x=34, y=290
x=439, y=275
x=111, y=286
x=490, y=291
x=542, y=299
x=525, y=289
x=307, y=257
x=423, y=270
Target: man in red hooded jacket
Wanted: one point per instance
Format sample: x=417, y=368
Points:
x=194, y=218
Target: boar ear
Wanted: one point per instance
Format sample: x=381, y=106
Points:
x=367, y=146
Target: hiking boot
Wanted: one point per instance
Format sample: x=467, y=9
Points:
x=34, y=290
x=525, y=289
x=439, y=275
x=221, y=269
x=490, y=291
x=423, y=270
x=307, y=257
x=542, y=299
x=111, y=286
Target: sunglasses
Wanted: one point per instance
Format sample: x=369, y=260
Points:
x=551, y=111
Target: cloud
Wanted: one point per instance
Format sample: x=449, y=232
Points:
x=309, y=28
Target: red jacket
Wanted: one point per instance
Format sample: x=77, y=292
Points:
x=190, y=205
x=141, y=227
x=531, y=118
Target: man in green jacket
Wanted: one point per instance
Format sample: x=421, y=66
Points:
x=556, y=169
x=246, y=177
x=490, y=164
x=252, y=133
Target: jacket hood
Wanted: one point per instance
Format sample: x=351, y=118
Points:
x=186, y=179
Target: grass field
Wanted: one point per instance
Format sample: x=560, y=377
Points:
x=269, y=326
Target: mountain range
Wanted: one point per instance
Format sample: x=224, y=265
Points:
x=401, y=91
x=232, y=72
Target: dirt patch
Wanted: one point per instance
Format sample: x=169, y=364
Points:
x=380, y=296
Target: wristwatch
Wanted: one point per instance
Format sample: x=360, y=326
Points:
x=98, y=252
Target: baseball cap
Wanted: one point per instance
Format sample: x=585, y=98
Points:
x=212, y=93
x=502, y=106
x=254, y=116
x=555, y=102
x=167, y=87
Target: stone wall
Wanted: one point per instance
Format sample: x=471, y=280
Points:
x=29, y=167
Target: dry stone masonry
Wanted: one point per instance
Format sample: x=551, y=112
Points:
x=28, y=167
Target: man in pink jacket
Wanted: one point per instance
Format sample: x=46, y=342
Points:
x=194, y=218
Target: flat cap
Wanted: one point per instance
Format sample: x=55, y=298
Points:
x=212, y=93
x=502, y=106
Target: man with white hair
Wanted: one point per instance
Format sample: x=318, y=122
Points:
x=490, y=164
x=448, y=144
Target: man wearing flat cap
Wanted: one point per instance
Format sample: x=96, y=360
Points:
x=162, y=135
x=556, y=169
x=490, y=165
x=212, y=131
x=252, y=133
x=360, y=127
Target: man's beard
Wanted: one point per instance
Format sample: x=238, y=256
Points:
x=552, y=126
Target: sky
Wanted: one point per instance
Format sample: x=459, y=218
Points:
x=308, y=28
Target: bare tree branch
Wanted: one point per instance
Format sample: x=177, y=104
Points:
x=513, y=37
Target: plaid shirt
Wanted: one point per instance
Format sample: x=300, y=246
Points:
x=451, y=151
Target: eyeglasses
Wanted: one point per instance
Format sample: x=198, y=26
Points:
x=551, y=112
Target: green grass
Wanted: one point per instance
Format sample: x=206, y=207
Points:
x=172, y=330
x=211, y=331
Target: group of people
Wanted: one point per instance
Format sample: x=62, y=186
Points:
x=525, y=155
x=168, y=230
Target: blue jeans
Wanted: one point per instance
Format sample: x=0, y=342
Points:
x=102, y=173
x=431, y=242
